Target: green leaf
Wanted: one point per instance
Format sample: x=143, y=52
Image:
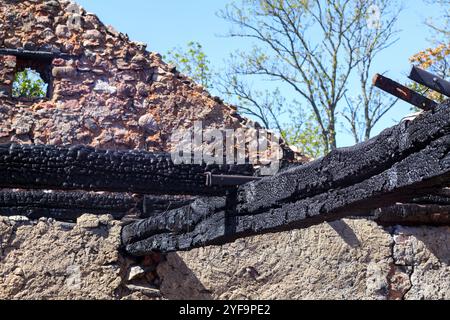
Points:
x=28, y=84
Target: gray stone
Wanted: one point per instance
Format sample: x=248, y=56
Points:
x=90, y=124
x=148, y=123
x=103, y=86
x=18, y=219
x=92, y=35
x=135, y=272
x=62, y=31
x=148, y=291
x=64, y=72
x=88, y=221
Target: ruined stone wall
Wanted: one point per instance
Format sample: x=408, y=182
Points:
x=107, y=91
x=349, y=259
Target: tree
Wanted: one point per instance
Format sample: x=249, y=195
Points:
x=305, y=136
x=269, y=108
x=313, y=46
x=192, y=62
x=442, y=26
x=28, y=84
x=365, y=110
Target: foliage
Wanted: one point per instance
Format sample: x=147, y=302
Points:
x=28, y=84
x=193, y=62
x=304, y=136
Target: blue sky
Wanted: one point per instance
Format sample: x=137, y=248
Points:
x=165, y=24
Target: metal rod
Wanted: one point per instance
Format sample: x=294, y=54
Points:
x=430, y=80
x=228, y=180
x=403, y=93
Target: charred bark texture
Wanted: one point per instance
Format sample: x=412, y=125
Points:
x=66, y=206
x=83, y=168
x=407, y=161
x=440, y=197
x=153, y=205
x=414, y=214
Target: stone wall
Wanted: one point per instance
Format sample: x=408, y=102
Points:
x=107, y=91
x=8, y=65
x=349, y=259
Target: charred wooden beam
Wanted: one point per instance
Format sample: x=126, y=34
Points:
x=404, y=162
x=67, y=200
x=180, y=221
x=440, y=197
x=67, y=206
x=347, y=166
x=39, y=55
x=228, y=180
x=89, y=169
x=414, y=214
x=403, y=93
x=430, y=80
x=153, y=205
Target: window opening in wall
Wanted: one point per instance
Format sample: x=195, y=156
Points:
x=29, y=84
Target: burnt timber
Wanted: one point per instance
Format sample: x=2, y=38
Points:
x=68, y=206
x=414, y=214
x=430, y=80
x=405, y=162
x=89, y=169
x=404, y=93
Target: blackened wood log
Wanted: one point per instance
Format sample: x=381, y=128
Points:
x=181, y=220
x=404, y=162
x=67, y=206
x=430, y=80
x=440, y=197
x=153, y=205
x=84, y=168
x=346, y=166
x=35, y=55
x=414, y=214
x=404, y=93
